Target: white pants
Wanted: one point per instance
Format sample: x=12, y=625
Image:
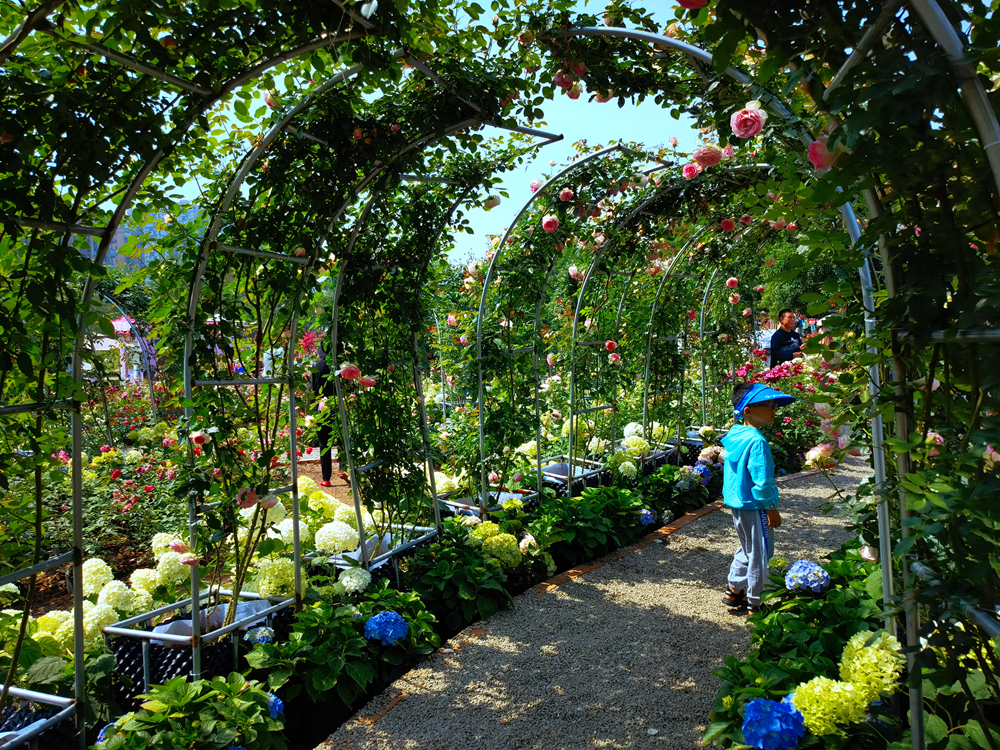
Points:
x=749, y=569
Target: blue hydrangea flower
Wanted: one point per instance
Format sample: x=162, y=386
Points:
x=770, y=725
x=781, y=472
x=701, y=462
x=387, y=626
x=704, y=471
x=806, y=575
x=647, y=517
x=101, y=736
x=275, y=705
x=237, y=747
x=682, y=486
x=262, y=634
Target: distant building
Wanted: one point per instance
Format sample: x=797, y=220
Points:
x=148, y=229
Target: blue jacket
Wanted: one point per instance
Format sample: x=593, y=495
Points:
x=748, y=476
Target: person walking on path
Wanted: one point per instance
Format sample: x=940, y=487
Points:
x=786, y=343
x=749, y=490
x=322, y=385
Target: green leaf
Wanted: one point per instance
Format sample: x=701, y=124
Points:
x=46, y=670
x=873, y=584
x=935, y=728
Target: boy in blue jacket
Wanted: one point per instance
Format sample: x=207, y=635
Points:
x=749, y=490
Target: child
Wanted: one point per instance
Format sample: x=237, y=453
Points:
x=748, y=488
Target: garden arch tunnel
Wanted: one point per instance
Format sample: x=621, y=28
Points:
x=132, y=191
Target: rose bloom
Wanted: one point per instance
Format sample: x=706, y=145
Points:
x=463, y=340
x=200, y=437
x=610, y=345
x=575, y=90
x=691, y=171
x=820, y=155
x=732, y=282
x=747, y=122
x=759, y=289
x=116, y=473
x=728, y=152
x=615, y=358
x=603, y=98
x=673, y=141
x=747, y=312
x=708, y=156
x=269, y=502
x=728, y=225
x=787, y=420
x=692, y=4
x=734, y=298
x=367, y=381
x=178, y=546
x=349, y=371
x=745, y=219
x=535, y=184
x=691, y=314
x=566, y=194
x=550, y=223
x=452, y=320
x=550, y=360
x=246, y=498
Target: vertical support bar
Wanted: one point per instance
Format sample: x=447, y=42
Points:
x=79, y=676
x=195, y=591
x=147, y=672
x=444, y=376
x=345, y=428
x=293, y=455
x=537, y=342
x=425, y=431
x=701, y=338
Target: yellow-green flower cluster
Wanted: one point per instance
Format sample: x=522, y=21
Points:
x=502, y=547
x=482, y=532
x=285, y=531
x=336, y=537
x=872, y=662
x=827, y=704
x=273, y=516
x=145, y=579
x=276, y=577
x=635, y=446
x=170, y=569
x=113, y=456
x=529, y=449
x=96, y=574
x=161, y=543
x=118, y=596
x=144, y=436
x=347, y=514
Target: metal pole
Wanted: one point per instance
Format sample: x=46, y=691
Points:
x=425, y=432
x=701, y=339
x=538, y=406
x=293, y=455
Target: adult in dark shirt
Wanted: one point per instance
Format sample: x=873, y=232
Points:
x=786, y=343
x=322, y=385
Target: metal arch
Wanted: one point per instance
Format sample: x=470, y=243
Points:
x=652, y=318
x=701, y=337
x=487, y=282
x=145, y=351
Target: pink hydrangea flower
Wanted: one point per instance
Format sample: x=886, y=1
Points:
x=550, y=223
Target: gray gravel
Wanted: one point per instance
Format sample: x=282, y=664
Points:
x=620, y=657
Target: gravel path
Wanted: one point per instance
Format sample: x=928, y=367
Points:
x=603, y=660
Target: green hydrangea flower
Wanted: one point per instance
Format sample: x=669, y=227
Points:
x=874, y=667
x=827, y=704
x=502, y=547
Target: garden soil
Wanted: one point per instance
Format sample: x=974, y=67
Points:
x=619, y=657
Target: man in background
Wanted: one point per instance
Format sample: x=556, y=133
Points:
x=786, y=343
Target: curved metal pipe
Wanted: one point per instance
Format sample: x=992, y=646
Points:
x=701, y=337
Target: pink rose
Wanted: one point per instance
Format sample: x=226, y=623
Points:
x=745, y=219
x=728, y=225
x=746, y=123
x=246, y=498
x=535, y=184
x=178, y=546
x=394, y=127
x=550, y=223
x=518, y=476
x=566, y=194
x=747, y=312
x=575, y=90
x=190, y=559
x=358, y=134
x=452, y=320
x=734, y=298
x=610, y=345
x=270, y=99
x=691, y=314
x=692, y=4
x=673, y=142
x=868, y=553
x=494, y=478
x=550, y=359
x=759, y=289
x=105, y=449
x=691, y=171
x=578, y=68
x=269, y=502
x=615, y=358
x=349, y=371
x=708, y=156
x=200, y=437
x=728, y=152
x=563, y=79
x=769, y=262
x=463, y=340
x=732, y=282
x=367, y=381
x=602, y=98
x=116, y=473
x=787, y=420
x=820, y=155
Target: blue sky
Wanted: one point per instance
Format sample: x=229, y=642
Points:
x=577, y=120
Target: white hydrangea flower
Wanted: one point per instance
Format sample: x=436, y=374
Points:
x=336, y=537
x=529, y=449
x=633, y=428
x=117, y=595
x=444, y=484
x=348, y=515
x=597, y=445
x=95, y=621
x=308, y=486
x=526, y=542
x=659, y=432
x=636, y=446
x=96, y=574
x=145, y=579
x=627, y=469
x=286, y=532
x=276, y=577
x=355, y=580
x=142, y=602
x=64, y=634
x=324, y=503
x=50, y=622
x=170, y=569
